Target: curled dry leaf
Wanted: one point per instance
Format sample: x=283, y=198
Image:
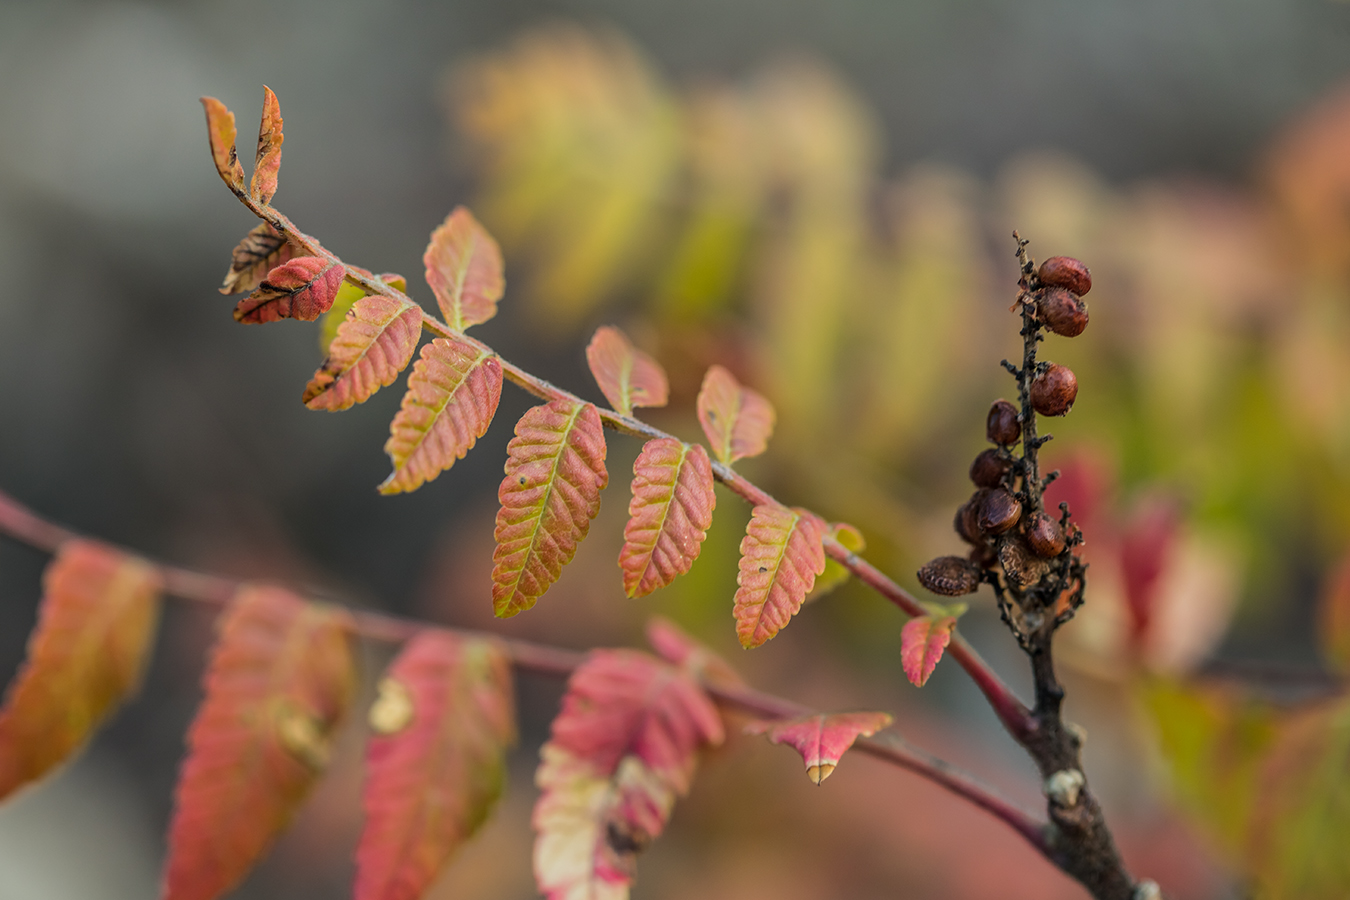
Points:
x=627, y=376
x=95, y=627
x=303, y=288
x=922, y=641
x=221, y=131
x=432, y=781
x=373, y=344
x=674, y=646
x=555, y=470
x=781, y=555
x=280, y=678
x=464, y=269
x=268, y=161
x=622, y=749
x=452, y=396
x=669, y=514
x=737, y=420
x=822, y=738
x=261, y=251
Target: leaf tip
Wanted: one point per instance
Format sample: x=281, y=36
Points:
x=819, y=773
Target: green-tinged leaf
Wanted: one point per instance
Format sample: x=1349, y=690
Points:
x=627, y=376
x=922, y=641
x=279, y=681
x=737, y=420
x=268, y=161
x=95, y=628
x=464, y=269
x=1333, y=620
x=452, y=396
x=261, y=251
x=822, y=738
x=221, y=131
x=781, y=555
x=303, y=288
x=835, y=574
x=669, y=514
x=373, y=345
x=555, y=470
x=437, y=762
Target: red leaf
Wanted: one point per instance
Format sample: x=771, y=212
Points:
x=261, y=251
x=781, y=555
x=221, y=131
x=674, y=646
x=372, y=345
x=95, y=628
x=555, y=470
x=302, y=289
x=737, y=420
x=922, y=641
x=280, y=678
x=622, y=749
x=821, y=739
x=669, y=514
x=433, y=777
x=1334, y=618
x=464, y=269
x=627, y=376
x=452, y=396
x=268, y=161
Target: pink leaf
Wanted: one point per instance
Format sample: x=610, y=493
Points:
x=821, y=739
x=627, y=376
x=464, y=269
x=674, y=646
x=268, y=160
x=922, y=641
x=302, y=289
x=737, y=420
x=781, y=555
x=372, y=345
x=669, y=514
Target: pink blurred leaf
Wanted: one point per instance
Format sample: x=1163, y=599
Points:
x=464, y=269
x=268, y=161
x=922, y=641
x=669, y=514
x=627, y=376
x=372, y=345
x=737, y=420
x=302, y=289
x=672, y=644
x=781, y=555
x=821, y=739
x=261, y=251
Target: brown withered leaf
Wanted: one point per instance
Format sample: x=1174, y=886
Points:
x=261, y=251
x=221, y=131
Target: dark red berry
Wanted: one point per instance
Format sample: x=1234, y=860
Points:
x=1045, y=536
x=999, y=512
x=1066, y=272
x=989, y=468
x=1054, y=390
x=967, y=523
x=1002, y=426
x=950, y=576
x=1062, y=311
x=1022, y=567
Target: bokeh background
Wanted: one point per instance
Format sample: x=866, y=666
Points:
x=819, y=196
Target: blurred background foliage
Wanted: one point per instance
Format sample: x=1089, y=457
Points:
x=820, y=199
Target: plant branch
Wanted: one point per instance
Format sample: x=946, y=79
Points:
x=23, y=525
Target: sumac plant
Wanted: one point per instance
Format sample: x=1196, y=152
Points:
x=625, y=745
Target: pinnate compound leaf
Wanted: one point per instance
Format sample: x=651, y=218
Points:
x=95, y=628
x=627, y=376
x=432, y=780
x=737, y=420
x=464, y=269
x=820, y=738
x=303, y=288
x=268, y=161
x=280, y=679
x=221, y=130
x=622, y=749
x=452, y=396
x=555, y=470
x=674, y=646
x=922, y=641
x=261, y=251
x=669, y=514
x=835, y=574
x=374, y=343
x=781, y=555
x=1333, y=629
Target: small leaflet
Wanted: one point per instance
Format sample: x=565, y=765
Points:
x=737, y=420
x=781, y=555
x=303, y=288
x=627, y=376
x=555, y=471
x=221, y=131
x=820, y=738
x=261, y=251
x=922, y=641
x=622, y=749
x=452, y=396
x=372, y=346
x=280, y=679
x=437, y=763
x=96, y=625
x=268, y=161
x=835, y=574
x=464, y=269
x=669, y=514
